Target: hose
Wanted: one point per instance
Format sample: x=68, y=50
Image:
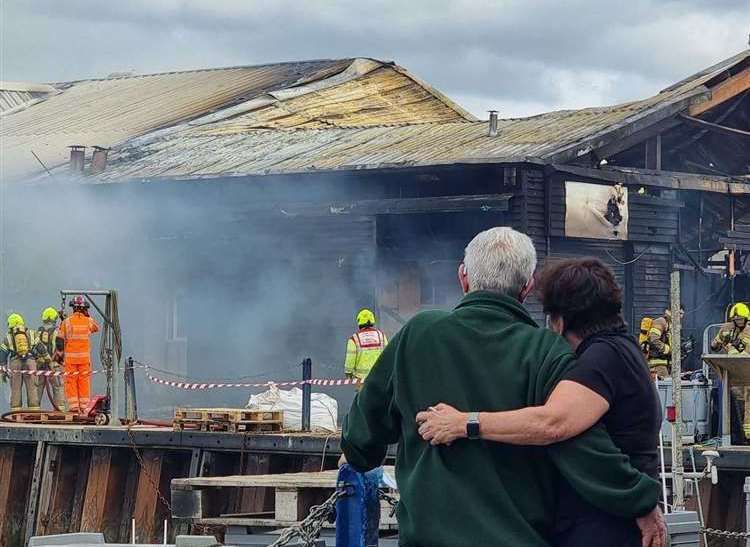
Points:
x=49, y=395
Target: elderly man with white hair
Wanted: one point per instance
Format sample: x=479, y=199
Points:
x=487, y=353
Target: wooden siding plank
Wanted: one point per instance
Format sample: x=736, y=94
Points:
x=92, y=518
x=147, y=495
x=7, y=453
x=33, y=498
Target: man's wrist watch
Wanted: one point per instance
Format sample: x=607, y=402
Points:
x=472, y=426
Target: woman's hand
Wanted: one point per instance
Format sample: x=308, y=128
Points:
x=442, y=424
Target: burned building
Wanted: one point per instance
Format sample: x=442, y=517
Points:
x=245, y=214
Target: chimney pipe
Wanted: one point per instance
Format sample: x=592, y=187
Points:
x=77, y=153
x=493, y=123
x=99, y=160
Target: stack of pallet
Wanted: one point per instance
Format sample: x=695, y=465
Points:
x=234, y=420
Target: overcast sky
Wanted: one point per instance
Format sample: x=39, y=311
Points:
x=520, y=57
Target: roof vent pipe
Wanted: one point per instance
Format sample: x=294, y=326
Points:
x=99, y=160
x=77, y=153
x=493, y=123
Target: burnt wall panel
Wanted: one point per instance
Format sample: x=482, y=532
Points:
x=528, y=215
x=651, y=269
x=653, y=218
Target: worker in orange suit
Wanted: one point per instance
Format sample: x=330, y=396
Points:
x=75, y=332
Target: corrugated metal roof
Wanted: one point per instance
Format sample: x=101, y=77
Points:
x=110, y=111
x=320, y=131
x=17, y=95
x=346, y=115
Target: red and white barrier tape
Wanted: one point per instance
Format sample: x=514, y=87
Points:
x=325, y=382
x=48, y=373
x=216, y=385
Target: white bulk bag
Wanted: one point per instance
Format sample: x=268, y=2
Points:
x=324, y=410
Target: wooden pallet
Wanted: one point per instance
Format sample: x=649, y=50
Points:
x=233, y=427
x=294, y=495
x=234, y=420
x=227, y=414
x=48, y=417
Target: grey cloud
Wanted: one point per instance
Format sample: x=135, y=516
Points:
x=513, y=51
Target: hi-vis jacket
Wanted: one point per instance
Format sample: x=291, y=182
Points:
x=660, y=343
x=362, y=350
x=45, y=342
x=18, y=343
x=75, y=330
x=732, y=340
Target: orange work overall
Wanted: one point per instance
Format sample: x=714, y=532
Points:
x=76, y=330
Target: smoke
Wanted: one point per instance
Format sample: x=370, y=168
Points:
x=214, y=281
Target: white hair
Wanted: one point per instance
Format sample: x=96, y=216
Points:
x=500, y=260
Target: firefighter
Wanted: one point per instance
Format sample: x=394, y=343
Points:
x=19, y=351
x=50, y=350
x=364, y=347
x=734, y=337
x=75, y=332
x=659, y=345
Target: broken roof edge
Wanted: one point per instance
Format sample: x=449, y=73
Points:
x=357, y=68
x=725, y=64
x=638, y=121
x=194, y=70
x=468, y=116
x=29, y=87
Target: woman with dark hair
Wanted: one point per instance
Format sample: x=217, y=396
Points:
x=610, y=383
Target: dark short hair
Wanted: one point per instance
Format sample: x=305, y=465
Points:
x=585, y=293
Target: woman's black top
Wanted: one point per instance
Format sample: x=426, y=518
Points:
x=611, y=364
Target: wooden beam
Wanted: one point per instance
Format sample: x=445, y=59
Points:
x=36, y=481
x=7, y=453
x=484, y=203
x=662, y=179
x=731, y=87
x=128, y=500
x=92, y=518
x=689, y=141
x=147, y=496
x=51, y=476
x=620, y=145
x=79, y=490
x=653, y=153
x=715, y=127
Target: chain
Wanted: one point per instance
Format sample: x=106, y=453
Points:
x=145, y=471
x=309, y=529
x=725, y=533
x=390, y=500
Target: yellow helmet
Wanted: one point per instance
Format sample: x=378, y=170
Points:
x=739, y=310
x=49, y=315
x=15, y=320
x=365, y=318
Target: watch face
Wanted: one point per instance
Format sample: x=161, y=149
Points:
x=472, y=430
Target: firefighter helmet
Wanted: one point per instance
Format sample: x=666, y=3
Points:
x=15, y=320
x=79, y=302
x=49, y=315
x=365, y=318
x=739, y=310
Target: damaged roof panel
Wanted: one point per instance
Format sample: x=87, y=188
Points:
x=106, y=112
x=334, y=115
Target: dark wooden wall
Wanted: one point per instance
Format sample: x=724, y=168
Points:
x=642, y=263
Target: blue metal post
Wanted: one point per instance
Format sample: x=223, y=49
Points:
x=306, y=393
x=358, y=513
